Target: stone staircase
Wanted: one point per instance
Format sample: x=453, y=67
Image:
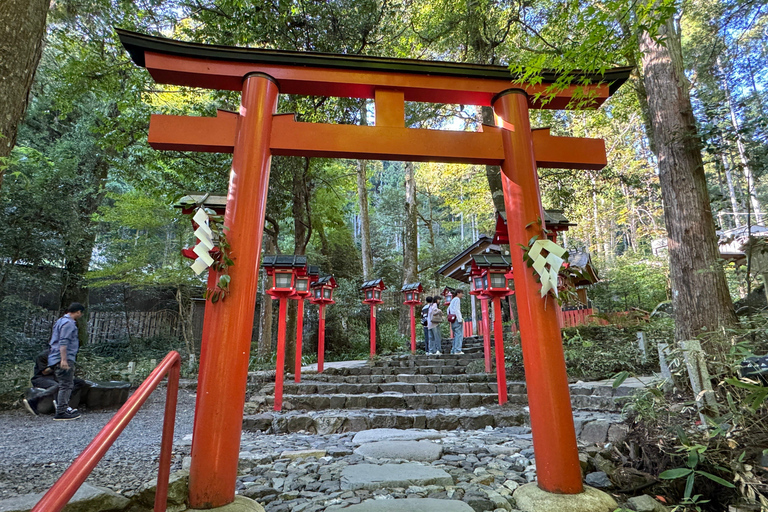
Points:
x=411, y=391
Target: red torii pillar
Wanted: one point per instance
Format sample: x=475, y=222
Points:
x=220, y=401
x=554, y=436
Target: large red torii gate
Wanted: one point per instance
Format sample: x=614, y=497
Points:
x=256, y=133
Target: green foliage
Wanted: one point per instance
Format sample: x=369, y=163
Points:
x=600, y=352
x=631, y=282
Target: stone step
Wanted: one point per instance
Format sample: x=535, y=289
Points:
x=406, y=505
x=414, y=401
x=389, y=401
x=339, y=421
x=311, y=376
x=309, y=387
x=590, y=427
x=396, y=370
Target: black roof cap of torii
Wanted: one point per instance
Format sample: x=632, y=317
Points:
x=136, y=44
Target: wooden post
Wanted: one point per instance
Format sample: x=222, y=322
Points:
x=554, y=436
x=226, y=348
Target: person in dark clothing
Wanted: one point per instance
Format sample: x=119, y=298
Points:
x=45, y=384
x=64, y=347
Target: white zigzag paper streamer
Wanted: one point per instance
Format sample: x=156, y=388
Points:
x=547, y=266
x=205, y=235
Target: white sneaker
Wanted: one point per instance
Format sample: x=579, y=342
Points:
x=438, y=353
x=460, y=353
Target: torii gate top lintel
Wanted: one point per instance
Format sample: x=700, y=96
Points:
x=390, y=82
x=354, y=76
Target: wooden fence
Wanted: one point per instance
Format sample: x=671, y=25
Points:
x=109, y=326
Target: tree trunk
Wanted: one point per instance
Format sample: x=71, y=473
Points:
x=699, y=292
x=362, y=197
x=80, y=240
x=22, y=27
x=410, y=251
x=365, y=225
x=748, y=174
x=302, y=232
x=735, y=206
x=266, y=310
x=493, y=172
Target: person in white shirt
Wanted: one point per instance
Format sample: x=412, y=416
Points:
x=454, y=308
x=424, y=316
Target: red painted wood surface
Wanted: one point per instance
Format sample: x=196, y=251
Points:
x=554, y=436
x=220, y=400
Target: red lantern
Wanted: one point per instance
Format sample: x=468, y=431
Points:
x=322, y=295
x=372, y=296
x=412, y=293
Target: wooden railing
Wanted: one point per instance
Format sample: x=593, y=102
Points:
x=67, y=485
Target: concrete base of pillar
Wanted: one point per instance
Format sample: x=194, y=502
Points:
x=529, y=498
x=241, y=504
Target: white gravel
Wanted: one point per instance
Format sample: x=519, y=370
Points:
x=35, y=451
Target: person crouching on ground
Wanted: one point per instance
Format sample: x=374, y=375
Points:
x=44, y=383
x=64, y=347
x=434, y=317
x=458, y=323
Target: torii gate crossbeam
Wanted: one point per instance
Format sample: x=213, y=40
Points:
x=256, y=133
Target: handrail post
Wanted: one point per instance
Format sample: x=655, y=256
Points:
x=67, y=485
x=166, y=445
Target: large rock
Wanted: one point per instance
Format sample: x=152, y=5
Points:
x=392, y=434
x=645, y=503
x=595, y=432
x=371, y=476
x=329, y=424
x=598, y=479
x=178, y=490
x=422, y=451
x=408, y=505
x=529, y=498
x=241, y=504
x=87, y=499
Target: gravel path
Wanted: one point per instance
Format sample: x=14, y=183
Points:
x=34, y=452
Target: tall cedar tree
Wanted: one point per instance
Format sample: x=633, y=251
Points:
x=22, y=27
x=699, y=291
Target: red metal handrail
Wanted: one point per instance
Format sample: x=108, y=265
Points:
x=67, y=485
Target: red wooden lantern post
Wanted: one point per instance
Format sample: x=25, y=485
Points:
x=412, y=295
x=304, y=278
x=283, y=271
x=492, y=270
x=372, y=296
x=476, y=289
x=322, y=295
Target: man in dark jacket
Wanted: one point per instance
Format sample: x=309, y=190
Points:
x=64, y=347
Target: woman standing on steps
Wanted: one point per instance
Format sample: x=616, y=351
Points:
x=434, y=318
x=424, y=322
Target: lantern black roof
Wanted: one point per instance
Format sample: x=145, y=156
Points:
x=375, y=283
x=325, y=281
x=491, y=261
x=313, y=270
x=411, y=287
x=284, y=261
